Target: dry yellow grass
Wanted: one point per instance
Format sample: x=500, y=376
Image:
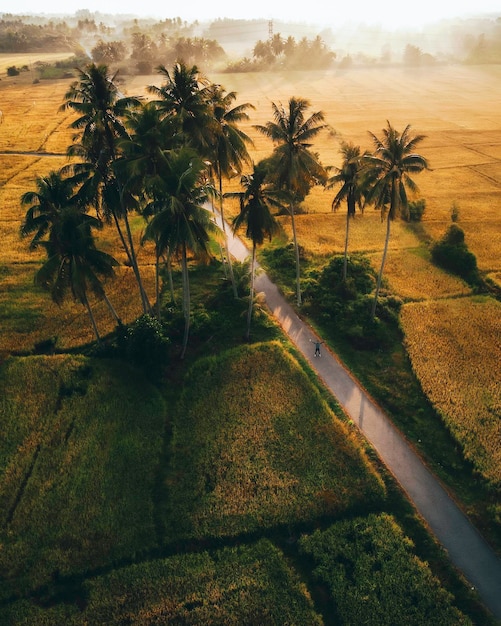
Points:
x=20, y=59
x=455, y=349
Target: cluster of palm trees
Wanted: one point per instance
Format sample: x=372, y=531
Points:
x=166, y=158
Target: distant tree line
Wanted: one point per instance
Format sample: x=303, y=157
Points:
x=17, y=36
x=288, y=54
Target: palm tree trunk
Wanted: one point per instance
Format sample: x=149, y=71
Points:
x=186, y=301
x=92, y=318
x=251, y=291
x=380, y=275
x=112, y=309
x=228, y=255
x=135, y=267
x=221, y=251
x=157, y=283
x=296, y=250
x=168, y=263
x=345, y=261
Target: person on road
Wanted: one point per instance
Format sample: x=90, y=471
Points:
x=317, y=347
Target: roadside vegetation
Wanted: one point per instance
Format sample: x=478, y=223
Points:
x=156, y=378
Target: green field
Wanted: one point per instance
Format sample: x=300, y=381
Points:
x=111, y=517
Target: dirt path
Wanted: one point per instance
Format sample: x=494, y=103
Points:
x=466, y=547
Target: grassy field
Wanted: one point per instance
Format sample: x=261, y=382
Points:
x=222, y=517
x=81, y=440
x=454, y=107
x=269, y=455
x=447, y=359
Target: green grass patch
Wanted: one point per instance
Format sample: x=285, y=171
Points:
x=241, y=585
x=254, y=446
x=80, y=445
x=373, y=576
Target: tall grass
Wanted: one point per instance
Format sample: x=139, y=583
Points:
x=79, y=455
x=254, y=446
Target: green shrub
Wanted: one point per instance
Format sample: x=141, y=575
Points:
x=451, y=253
x=415, y=210
x=145, y=345
x=347, y=304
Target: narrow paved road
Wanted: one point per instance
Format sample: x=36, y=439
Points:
x=466, y=547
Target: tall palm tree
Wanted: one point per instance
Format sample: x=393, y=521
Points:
x=387, y=170
x=55, y=209
x=256, y=203
x=74, y=263
x=183, y=225
x=349, y=178
x=297, y=168
x=100, y=107
x=228, y=152
x=184, y=96
x=144, y=163
x=53, y=192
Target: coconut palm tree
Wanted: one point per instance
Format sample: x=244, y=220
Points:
x=296, y=167
x=256, y=203
x=350, y=180
x=53, y=192
x=228, y=152
x=100, y=106
x=387, y=170
x=184, y=96
x=74, y=264
x=144, y=163
x=183, y=225
x=73, y=260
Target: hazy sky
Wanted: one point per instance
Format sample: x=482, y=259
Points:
x=387, y=13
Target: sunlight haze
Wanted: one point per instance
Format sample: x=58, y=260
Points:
x=388, y=13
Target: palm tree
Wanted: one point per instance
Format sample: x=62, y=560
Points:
x=297, y=168
x=184, y=96
x=228, y=151
x=388, y=169
x=97, y=101
x=53, y=192
x=256, y=202
x=348, y=176
x=183, y=225
x=74, y=263
x=144, y=164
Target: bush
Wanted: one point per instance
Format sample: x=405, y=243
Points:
x=12, y=71
x=347, y=304
x=416, y=210
x=144, y=345
x=451, y=253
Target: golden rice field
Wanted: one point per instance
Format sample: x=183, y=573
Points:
x=455, y=349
